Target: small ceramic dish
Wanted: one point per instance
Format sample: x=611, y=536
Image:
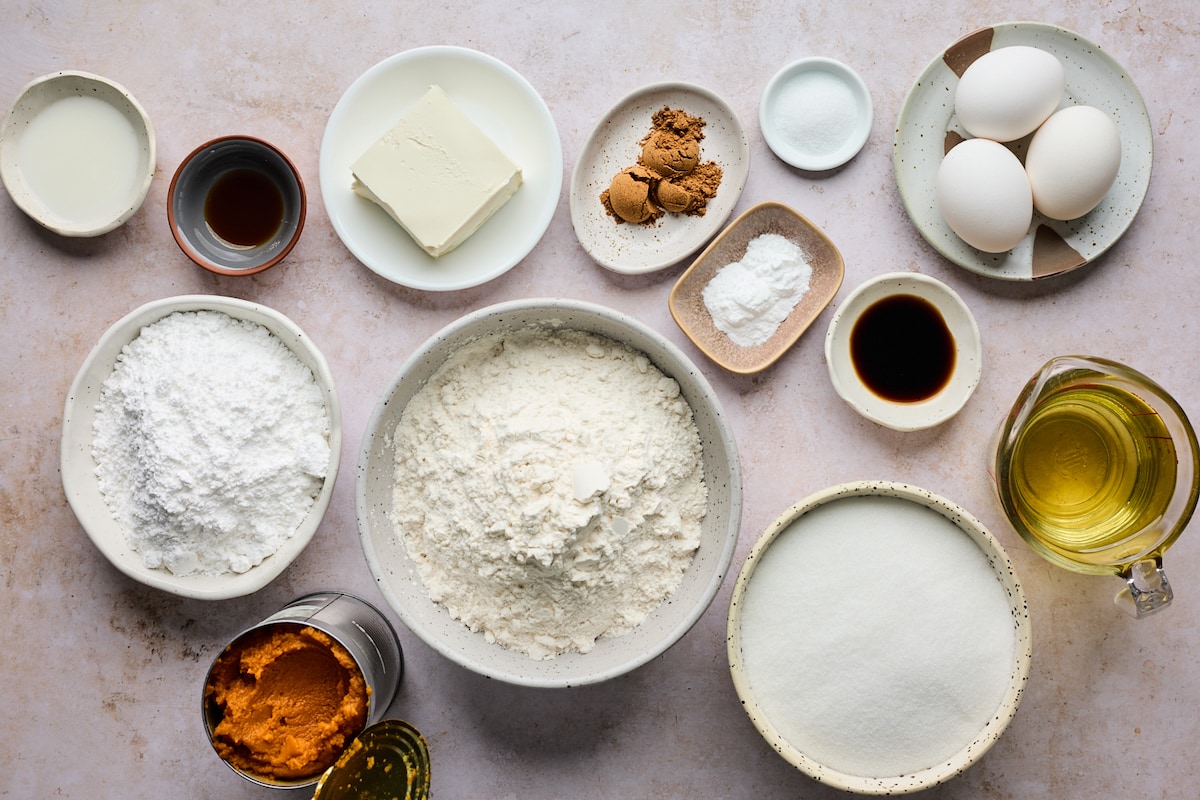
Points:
x=889, y=584
x=961, y=359
x=614, y=145
x=690, y=312
x=77, y=153
x=78, y=466
x=816, y=114
x=236, y=205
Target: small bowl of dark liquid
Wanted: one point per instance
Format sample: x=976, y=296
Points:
x=904, y=351
x=236, y=205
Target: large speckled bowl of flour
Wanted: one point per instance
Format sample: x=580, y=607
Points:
x=243, y=491
x=389, y=508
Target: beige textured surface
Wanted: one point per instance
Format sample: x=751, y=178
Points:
x=102, y=677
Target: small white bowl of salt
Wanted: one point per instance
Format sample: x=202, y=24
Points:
x=816, y=114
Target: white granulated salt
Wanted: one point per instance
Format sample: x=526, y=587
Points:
x=211, y=441
x=749, y=299
x=549, y=488
x=816, y=112
x=876, y=636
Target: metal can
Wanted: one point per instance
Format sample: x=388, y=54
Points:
x=360, y=628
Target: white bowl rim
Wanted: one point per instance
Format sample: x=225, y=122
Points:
x=82, y=496
x=727, y=444
x=1006, y=573
x=24, y=199
x=927, y=413
x=802, y=159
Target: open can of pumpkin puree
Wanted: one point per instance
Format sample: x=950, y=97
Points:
x=287, y=696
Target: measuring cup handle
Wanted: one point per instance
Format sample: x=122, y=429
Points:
x=1146, y=588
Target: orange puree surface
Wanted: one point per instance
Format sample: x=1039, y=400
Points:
x=289, y=698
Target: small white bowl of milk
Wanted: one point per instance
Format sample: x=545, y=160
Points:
x=77, y=153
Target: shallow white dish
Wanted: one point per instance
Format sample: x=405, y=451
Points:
x=34, y=99
x=804, y=155
x=79, y=469
x=497, y=99
x=613, y=145
x=1052, y=247
x=897, y=506
x=902, y=416
x=387, y=555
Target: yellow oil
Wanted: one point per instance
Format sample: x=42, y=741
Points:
x=1092, y=474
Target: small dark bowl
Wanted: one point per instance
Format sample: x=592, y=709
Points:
x=192, y=215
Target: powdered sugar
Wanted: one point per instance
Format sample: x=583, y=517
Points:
x=549, y=488
x=210, y=441
x=749, y=299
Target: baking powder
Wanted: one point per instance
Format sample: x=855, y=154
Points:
x=549, y=488
x=749, y=299
x=211, y=441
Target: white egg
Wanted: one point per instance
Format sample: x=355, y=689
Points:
x=984, y=196
x=1073, y=161
x=1006, y=93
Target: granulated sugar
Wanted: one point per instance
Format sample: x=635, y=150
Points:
x=211, y=442
x=549, y=488
x=876, y=636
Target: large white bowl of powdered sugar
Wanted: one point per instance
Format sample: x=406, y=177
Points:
x=201, y=440
x=549, y=493
x=879, y=638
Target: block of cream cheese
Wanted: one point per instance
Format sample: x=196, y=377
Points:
x=437, y=174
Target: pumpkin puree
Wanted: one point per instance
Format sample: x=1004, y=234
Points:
x=289, y=698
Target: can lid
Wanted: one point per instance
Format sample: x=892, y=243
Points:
x=386, y=757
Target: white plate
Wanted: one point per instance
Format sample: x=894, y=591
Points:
x=1093, y=78
x=81, y=485
x=613, y=146
x=497, y=99
x=812, y=156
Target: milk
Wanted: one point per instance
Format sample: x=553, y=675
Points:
x=79, y=156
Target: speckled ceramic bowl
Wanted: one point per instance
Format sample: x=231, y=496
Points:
x=79, y=468
x=195, y=201
x=917, y=522
x=388, y=557
x=115, y=145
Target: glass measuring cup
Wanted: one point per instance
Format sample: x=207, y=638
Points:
x=1096, y=467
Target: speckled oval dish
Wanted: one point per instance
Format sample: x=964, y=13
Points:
x=927, y=127
x=387, y=554
x=686, y=300
x=765, y=624
x=613, y=146
x=79, y=468
x=122, y=193
x=968, y=352
x=503, y=104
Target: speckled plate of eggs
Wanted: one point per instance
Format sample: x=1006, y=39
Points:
x=615, y=145
x=928, y=128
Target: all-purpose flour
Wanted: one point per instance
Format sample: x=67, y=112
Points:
x=211, y=441
x=549, y=488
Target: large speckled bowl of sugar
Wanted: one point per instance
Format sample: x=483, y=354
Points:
x=301, y=361
x=879, y=638
x=591, y=489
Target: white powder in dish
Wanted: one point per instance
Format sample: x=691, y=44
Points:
x=749, y=299
x=876, y=636
x=549, y=488
x=211, y=441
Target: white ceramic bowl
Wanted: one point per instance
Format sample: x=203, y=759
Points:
x=968, y=357
x=79, y=468
x=973, y=660
x=399, y=582
x=122, y=164
x=816, y=114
